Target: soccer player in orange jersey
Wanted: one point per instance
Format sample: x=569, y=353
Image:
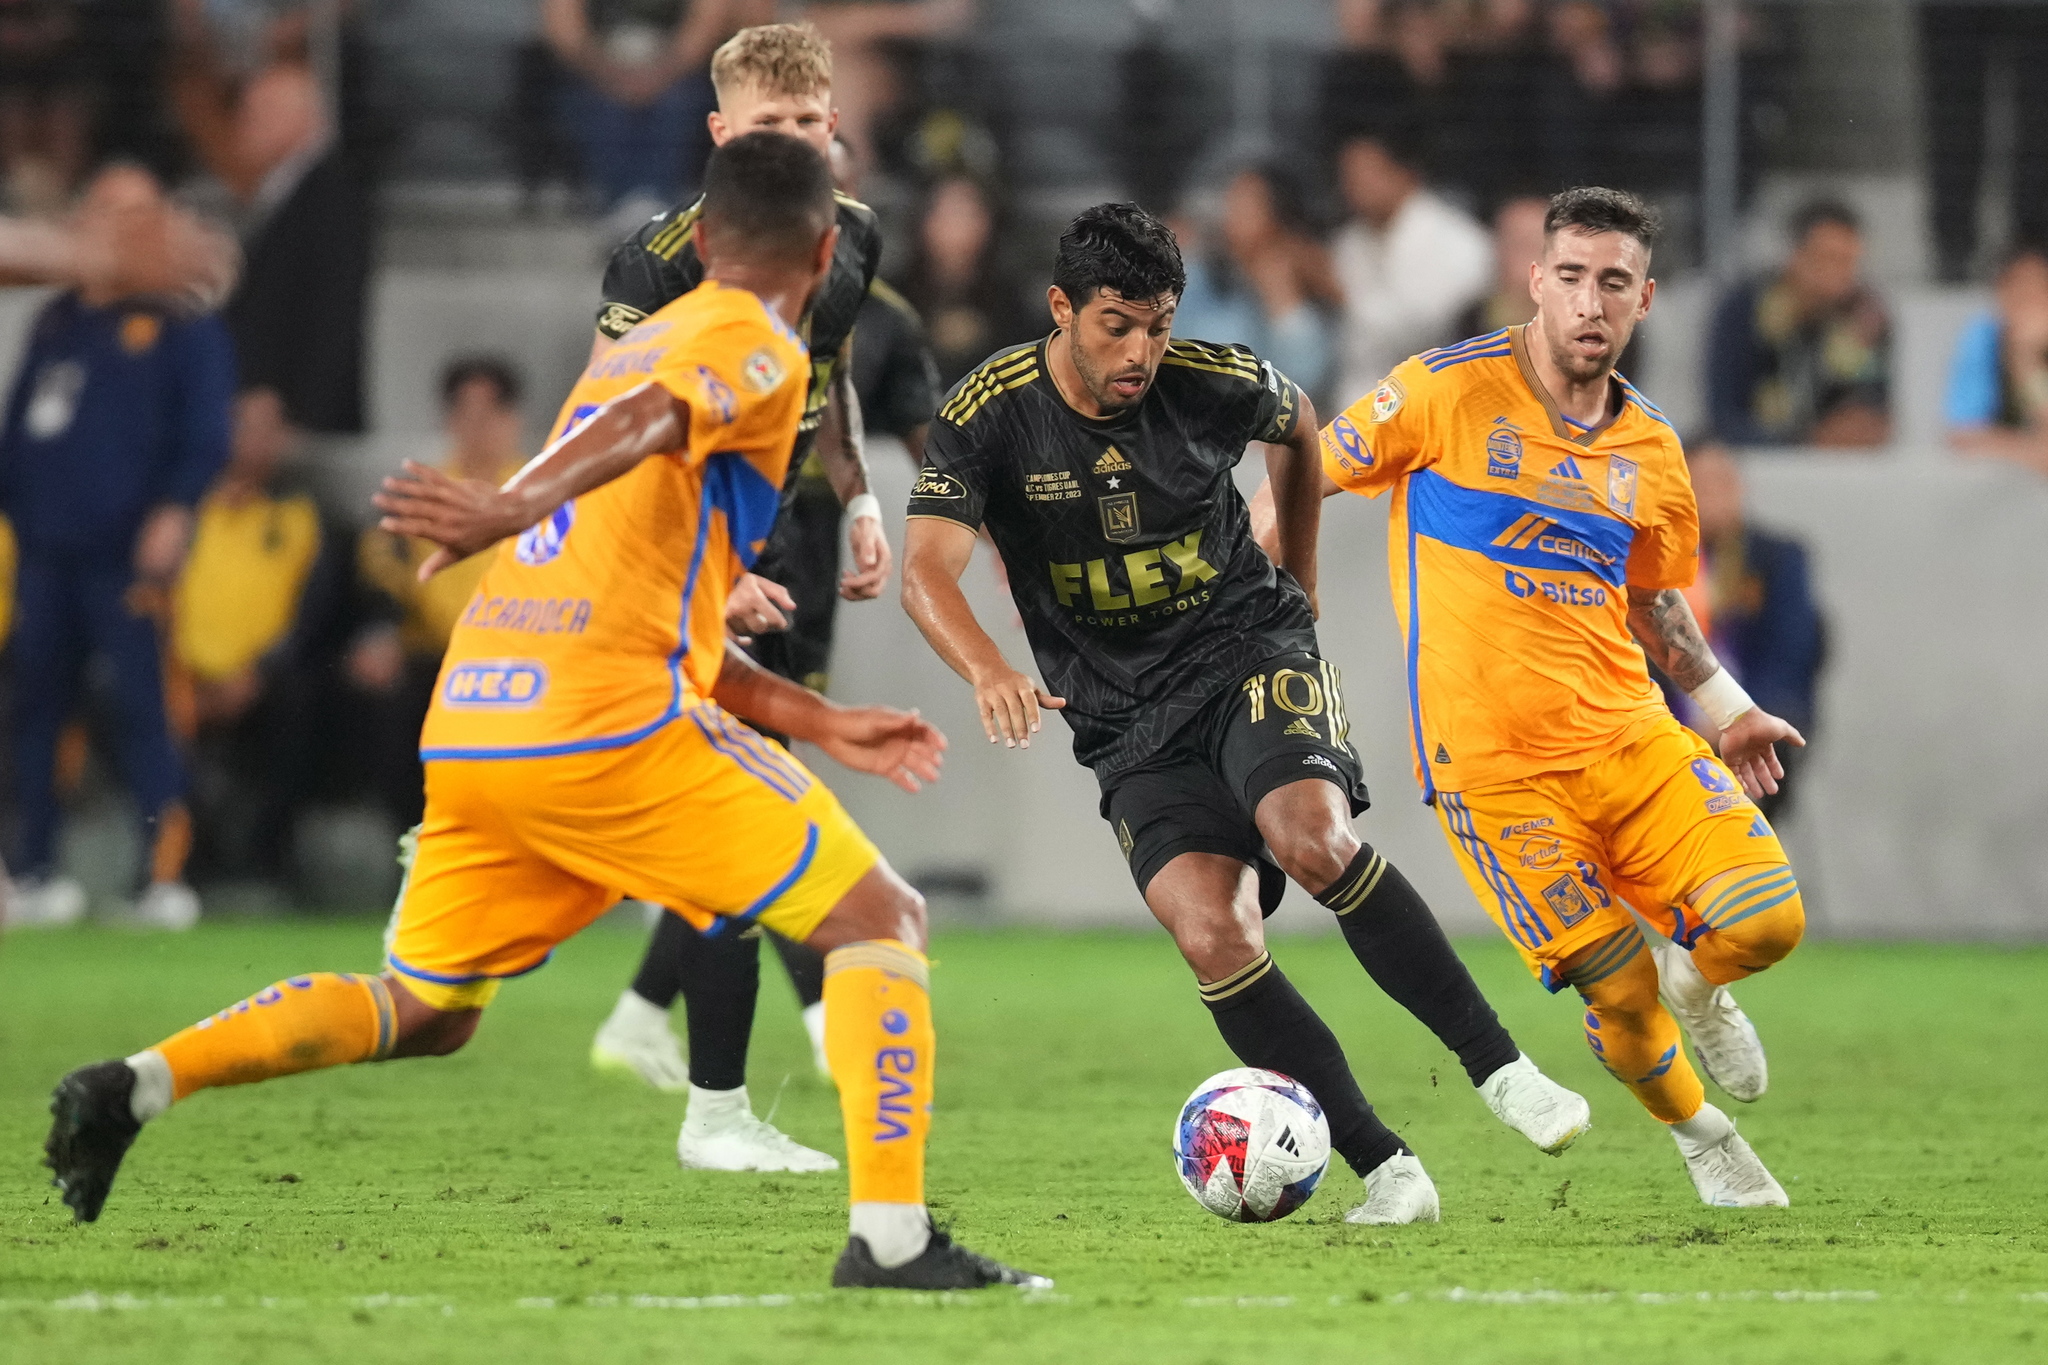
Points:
x=1542, y=529
x=581, y=745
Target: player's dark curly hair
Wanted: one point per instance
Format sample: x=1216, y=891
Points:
x=1118, y=247
x=1593, y=208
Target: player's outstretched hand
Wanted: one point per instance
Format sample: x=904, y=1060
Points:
x=899, y=745
x=756, y=607
x=462, y=516
x=869, y=546
x=1747, y=749
x=1009, y=703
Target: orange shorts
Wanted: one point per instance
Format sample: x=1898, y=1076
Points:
x=1559, y=858
x=705, y=816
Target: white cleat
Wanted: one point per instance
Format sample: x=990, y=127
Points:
x=637, y=1041
x=167, y=905
x=1535, y=1106
x=1724, y=1170
x=1722, y=1037
x=1397, y=1191
x=722, y=1134
x=44, y=903
x=814, y=1025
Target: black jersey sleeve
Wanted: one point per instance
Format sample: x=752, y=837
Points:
x=954, y=482
x=1252, y=401
x=650, y=270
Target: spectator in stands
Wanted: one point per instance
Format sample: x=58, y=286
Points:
x=1997, y=400
x=1517, y=245
x=970, y=304
x=1409, y=263
x=1803, y=357
x=117, y=423
x=1759, y=612
x=255, y=616
x=639, y=91
x=1273, y=288
x=395, y=660
x=1960, y=46
x=861, y=33
x=298, y=317
x=46, y=76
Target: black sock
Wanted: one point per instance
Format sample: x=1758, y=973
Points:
x=1267, y=1024
x=721, y=977
x=659, y=980
x=1403, y=949
x=806, y=968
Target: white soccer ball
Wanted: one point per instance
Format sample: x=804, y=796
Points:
x=1251, y=1145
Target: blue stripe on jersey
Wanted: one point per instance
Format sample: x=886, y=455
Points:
x=774, y=779
x=1415, y=669
x=1487, y=340
x=1635, y=396
x=1524, y=925
x=1511, y=530
x=1445, y=362
x=749, y=502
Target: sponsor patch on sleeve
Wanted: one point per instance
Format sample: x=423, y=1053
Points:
x=762, y=372
x=1387, y=399
x=617, y=319
x=932, y=484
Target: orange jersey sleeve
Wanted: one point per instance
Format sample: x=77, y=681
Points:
x=606, y=621
x=1383, y=436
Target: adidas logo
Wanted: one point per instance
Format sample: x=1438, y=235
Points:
x=1302, y=727
x=1112, y=462
x=1568, y=470
x=1443, y=755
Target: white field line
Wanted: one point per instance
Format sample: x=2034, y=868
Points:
x=94, y=1302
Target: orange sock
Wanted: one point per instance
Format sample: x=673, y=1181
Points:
x=302, y=1024
x=879, y=1041
x=1630, y=1031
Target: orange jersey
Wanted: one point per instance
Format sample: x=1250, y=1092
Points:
x=1514, y=536
x=606, y=621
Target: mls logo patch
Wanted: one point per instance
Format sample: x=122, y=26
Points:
x=1119, y=517
x=1387, y=399
x=1504, y=452
x=1621, y=485
x=1566, y=901
x=761, y=372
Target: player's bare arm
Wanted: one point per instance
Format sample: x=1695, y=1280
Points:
x=1663, y=624
x=935, y=553
x=464, y=516
x=901, y=746
x=1294, y=492
x=1265, y=516
x=842, y=449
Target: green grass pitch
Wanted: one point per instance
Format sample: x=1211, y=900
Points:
x=508, y=1205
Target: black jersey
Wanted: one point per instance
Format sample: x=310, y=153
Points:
x=658, y=265
x=894, y=373
x=1129, y=549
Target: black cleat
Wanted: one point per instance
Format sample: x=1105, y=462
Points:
x=943, y=1264
x=91, y=1129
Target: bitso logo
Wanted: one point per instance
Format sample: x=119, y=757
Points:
x=1504, y=450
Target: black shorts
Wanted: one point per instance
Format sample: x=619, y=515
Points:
x=1283, y=722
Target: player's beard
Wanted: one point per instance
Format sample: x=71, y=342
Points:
x=1097, y=383
x=1580, y=369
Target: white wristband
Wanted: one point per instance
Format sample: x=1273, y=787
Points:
x=864, y=505
x=1722, y=698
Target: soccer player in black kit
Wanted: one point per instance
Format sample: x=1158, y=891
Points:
x=1185, y=661
x=777, y=78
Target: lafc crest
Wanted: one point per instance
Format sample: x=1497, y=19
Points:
x=1119, y=517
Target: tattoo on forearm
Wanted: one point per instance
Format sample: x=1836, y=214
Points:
x=1671, y=637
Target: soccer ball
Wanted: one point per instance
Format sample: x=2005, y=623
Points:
x=1251, y=1145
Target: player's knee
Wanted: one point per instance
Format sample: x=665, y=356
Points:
x=1315, y=856
x=1768, y=936
x=1216, y=947
x=881, y=905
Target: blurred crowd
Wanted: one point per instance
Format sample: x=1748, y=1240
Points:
x=190, y=618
